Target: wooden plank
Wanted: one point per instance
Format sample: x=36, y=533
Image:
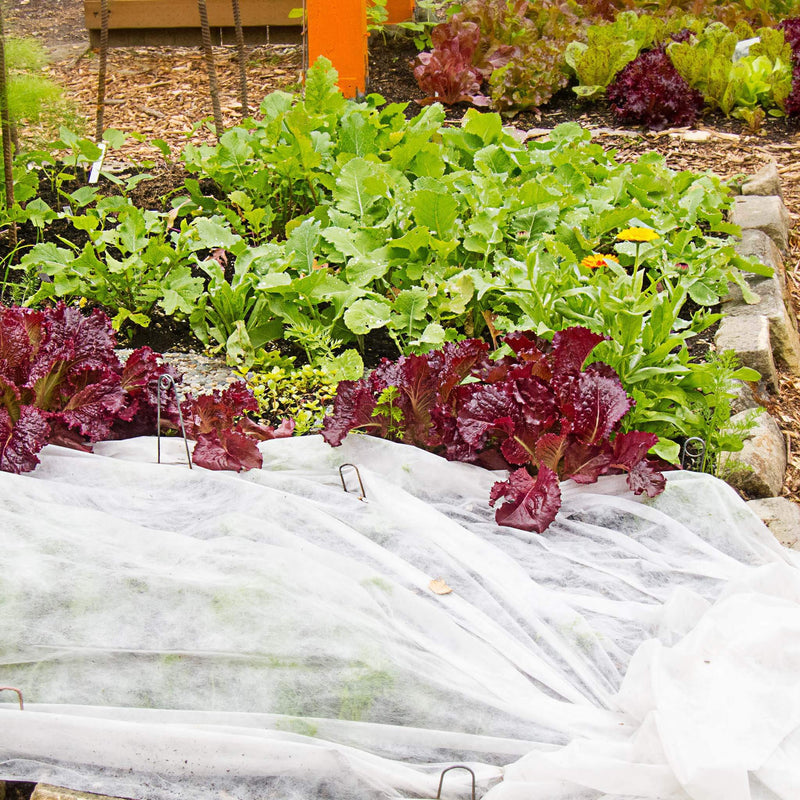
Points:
x=184, y=13
x=191, y=37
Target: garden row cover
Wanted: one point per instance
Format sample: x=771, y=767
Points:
x=183, y=633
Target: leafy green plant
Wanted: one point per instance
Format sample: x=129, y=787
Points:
x=706, y=62
x=132, y=263
x=426, y=18
x=304, y=394
x=607, y=50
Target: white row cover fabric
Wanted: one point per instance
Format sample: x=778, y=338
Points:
x=182, y=633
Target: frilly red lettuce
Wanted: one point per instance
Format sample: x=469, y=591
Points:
x=539, y=410
x=61, y=382
x=446, y=74
x=650, y=92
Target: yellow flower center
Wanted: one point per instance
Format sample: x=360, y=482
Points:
x=596, y=260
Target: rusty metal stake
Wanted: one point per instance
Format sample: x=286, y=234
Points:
x=19, y=695
x=101, y=71
x=693, y=454
x=457, y=766
x=165, y=382
x=5, y=123
x=210, y=68
x=363, y=495
x=237, y=21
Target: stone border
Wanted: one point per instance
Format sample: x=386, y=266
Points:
x=763, y=335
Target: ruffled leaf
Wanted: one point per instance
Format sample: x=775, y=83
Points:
x=594, y=405
x=226, y=450
x=21, y=438
x=531, y=505
x=352, y=410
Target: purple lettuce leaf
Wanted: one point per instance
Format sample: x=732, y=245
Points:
x=571, y=347
x=217, y=411
x=531, y=505
x=352, y=410
x=22, y=436
x=645, y=478
x=226, y=450
x=71, y=344
x=585, y=463
x=95, y=399
x=139, y=381
x=264, y=433
x=446, y=74
x=594, y=404
x=649, y=91
x=20, y=335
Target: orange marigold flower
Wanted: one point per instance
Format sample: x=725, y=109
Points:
x=637, y=235
x=596, y=260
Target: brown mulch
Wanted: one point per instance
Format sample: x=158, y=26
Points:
x=162, y=93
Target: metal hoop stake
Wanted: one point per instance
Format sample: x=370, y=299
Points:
x=363, y=495
x=166, y=382
x=19, y=694
x=457, y=766
x=694, y=450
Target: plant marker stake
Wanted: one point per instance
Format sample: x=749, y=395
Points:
x=694, y=452
x=457, y=766
x=19, y=694
x=101, y=71
x=96, y=167
x=210, y=68
x=5, y=123
x=363, y=495
x=237, y=21
x=166, y=382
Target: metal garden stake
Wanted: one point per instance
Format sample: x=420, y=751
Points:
x=165, y=382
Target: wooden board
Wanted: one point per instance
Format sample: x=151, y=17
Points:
x=138, y=14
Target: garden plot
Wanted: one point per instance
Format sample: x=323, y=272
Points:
x=268, y=635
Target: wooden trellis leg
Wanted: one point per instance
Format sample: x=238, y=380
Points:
x=211, y=69
x=237, y=21
x=338, y=31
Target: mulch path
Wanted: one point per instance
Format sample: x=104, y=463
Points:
x=162, y=93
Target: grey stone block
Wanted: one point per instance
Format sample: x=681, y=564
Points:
x=759, y=246
x=782, y=517
x=784, y=338
x=767, y=214
x=748, y=336
x=759, y=468
x=765, y=182
x=743, y=397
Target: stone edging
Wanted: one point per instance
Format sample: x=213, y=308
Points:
x=762, y=335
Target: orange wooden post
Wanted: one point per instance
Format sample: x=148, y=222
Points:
x=399, y=11
x=338, y=31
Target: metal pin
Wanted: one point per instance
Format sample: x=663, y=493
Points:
x=165, y=382
x=363, y=495
x=693, y=454
x=457, y=766
x=19, y=694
